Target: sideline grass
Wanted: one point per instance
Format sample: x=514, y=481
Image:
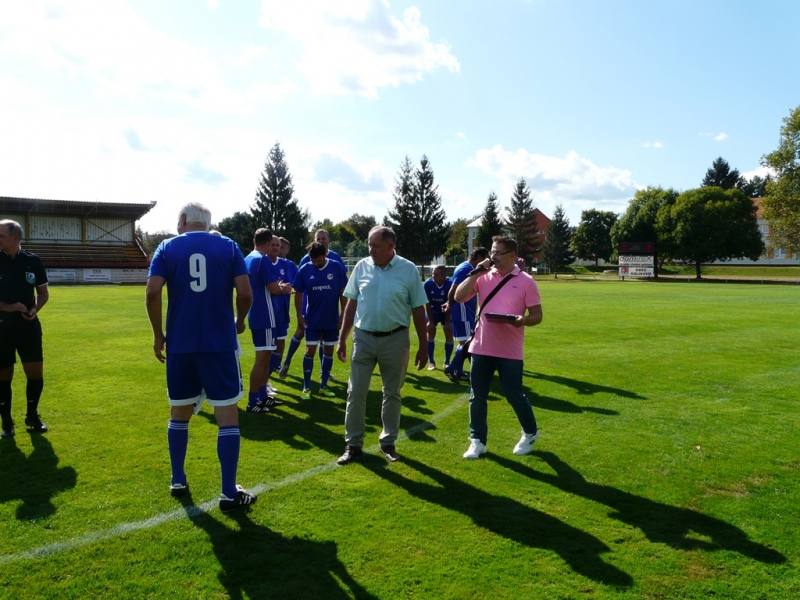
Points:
x=667, y=466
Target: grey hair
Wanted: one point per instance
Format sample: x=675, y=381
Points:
x=196, y=213
x=387, y=233
x=14, y=228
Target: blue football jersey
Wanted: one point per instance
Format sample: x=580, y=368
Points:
x=321, y=288
x=331, y=255
x=262, y=313
x=290, y=270
x=463, y=311
x=437, y=296
x=199, y=269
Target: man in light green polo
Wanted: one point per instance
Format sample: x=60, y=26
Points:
x=383, y=293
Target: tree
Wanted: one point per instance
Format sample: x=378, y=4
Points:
x=358, y=249
x=592, y=238
x=275, y=206
x=418, y=218
x=521, y=222
x=359, y=226
x=782, y=200
x=457, y=239
x=720, y=175
x=709, y=224
x=490, y=223
x=240, y=227
x=638, y=223
x=150, y=241
x=556, y=250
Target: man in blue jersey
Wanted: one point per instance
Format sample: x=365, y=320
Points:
x=201, y=271
x=462, y=314
x=319, y=285
x=281, y=304
x=321, y=237
x=263, y=320
x=437, y=289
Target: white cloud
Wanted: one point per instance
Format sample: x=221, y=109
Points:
x=357, y=46
x=575, y=182
x=721, y=137
x=656, y=145
x=124, y=57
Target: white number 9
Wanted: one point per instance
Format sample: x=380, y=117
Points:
x=197, y=269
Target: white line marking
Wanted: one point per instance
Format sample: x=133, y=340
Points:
x=193, y=511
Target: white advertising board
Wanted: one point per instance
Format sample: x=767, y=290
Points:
x=58, y=275
x=635, y=272
x=97, y=274
x=630, y=260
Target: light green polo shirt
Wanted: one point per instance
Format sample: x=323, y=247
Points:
x=385, y=296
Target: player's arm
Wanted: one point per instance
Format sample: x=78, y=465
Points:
x=244, y=300
x=42, y=296
x=152, y=302
x=298, y=306
x=342, y=303
x=348, y=318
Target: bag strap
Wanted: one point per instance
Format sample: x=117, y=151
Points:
x=489, y=297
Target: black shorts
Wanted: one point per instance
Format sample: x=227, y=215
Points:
x=23, y=337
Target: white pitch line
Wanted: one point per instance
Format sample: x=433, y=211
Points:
x=193, y=511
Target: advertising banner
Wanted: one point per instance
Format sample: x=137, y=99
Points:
x=635, y=272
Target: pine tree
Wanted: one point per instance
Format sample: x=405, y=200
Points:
x=275, y=206
x=556, y=251
x=521, y=222
x=720, y=175
x=418, y=219
x=490, y=224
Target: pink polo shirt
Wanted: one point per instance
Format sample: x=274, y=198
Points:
x=499, y=339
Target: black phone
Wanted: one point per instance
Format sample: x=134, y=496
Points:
x=501, y=317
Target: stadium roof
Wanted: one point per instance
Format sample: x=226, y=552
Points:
x=78, y=208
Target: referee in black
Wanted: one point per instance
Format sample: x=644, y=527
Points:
x=23, y=293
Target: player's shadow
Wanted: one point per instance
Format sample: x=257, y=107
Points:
x=510, y=519
x=257, y=562
x=680, y=528
x=33, y=479
x=565, y=406
x=585, y=388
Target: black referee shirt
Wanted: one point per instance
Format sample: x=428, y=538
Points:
x=19, y=276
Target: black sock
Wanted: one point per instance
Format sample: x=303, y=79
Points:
x=5, y=400
x=34, y=392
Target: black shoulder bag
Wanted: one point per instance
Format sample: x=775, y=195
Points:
x=465, y=347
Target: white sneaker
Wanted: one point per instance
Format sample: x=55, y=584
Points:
x=475, y=449
x=525, y=444
x=271, y=391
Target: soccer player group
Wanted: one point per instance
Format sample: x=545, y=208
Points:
x=201, y=270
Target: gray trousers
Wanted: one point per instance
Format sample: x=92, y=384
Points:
x=390, y=353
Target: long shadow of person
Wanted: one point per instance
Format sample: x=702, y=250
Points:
x=510, y=519
x=34, y=479
x=660, y=522
x=257, y=562
x=585, y=388
x=559, y=405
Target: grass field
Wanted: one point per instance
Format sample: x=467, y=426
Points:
x=667, y=467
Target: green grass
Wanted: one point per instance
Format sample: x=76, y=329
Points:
x=667, y=466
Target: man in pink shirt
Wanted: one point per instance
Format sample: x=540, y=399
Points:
x=499, y=340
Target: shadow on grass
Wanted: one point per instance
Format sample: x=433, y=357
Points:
x=510, y=519
x=257, y=562
x=661, y=523
x=34, y=479
x=565, y=406
x=584, y=388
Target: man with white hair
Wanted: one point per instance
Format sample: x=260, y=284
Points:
x=201, y=270
x=23, y=293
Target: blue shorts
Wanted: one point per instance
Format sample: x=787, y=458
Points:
x=194, y=376
x=462, y=330
x=281, y=332
x=329, y=337
x=264, y=339
x=439, y=318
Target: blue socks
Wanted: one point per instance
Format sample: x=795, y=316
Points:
x=327, y=365
x=308, y=367
x=178, y=440
x=431, y=346
x=448, y=351
x=253, y=398
x=228, y=442
x=275, y=362
x=294, y=344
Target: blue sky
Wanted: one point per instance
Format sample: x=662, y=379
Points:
x=146, y=100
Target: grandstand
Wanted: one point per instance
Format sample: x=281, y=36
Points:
x=82, y=241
